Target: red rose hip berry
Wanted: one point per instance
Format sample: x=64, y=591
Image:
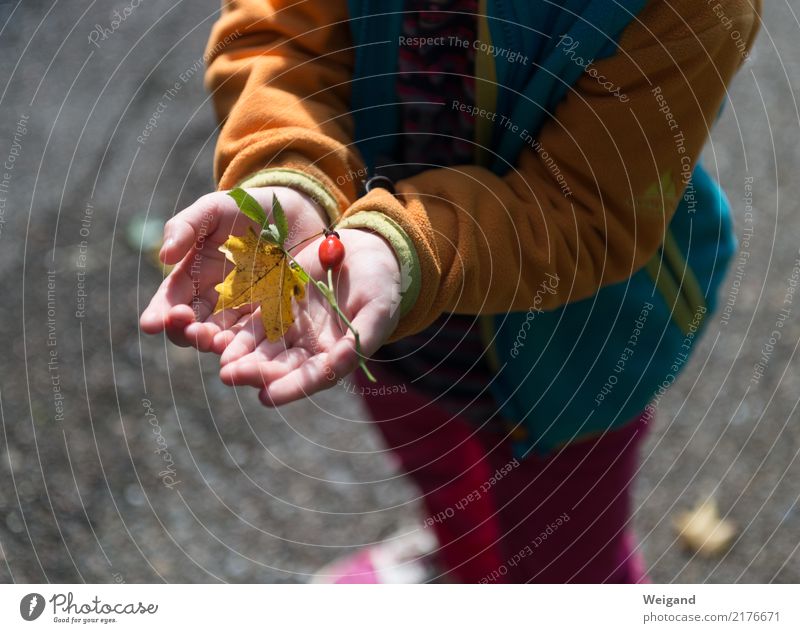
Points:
x=331, y=251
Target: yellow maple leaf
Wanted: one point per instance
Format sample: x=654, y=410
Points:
x=702, y=529
x=262, y=274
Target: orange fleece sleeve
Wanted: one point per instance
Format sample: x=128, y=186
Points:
x=589, y=204
x=279, y=74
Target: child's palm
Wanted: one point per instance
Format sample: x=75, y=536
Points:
x=319, y=349
x=184, y=303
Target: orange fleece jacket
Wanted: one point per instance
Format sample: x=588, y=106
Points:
x=280, y=71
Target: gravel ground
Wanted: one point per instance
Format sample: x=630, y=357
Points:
x=251, y=495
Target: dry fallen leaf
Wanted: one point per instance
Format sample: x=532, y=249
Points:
x=262, y=274
x=703, y=531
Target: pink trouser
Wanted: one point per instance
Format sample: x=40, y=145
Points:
x=564, y=518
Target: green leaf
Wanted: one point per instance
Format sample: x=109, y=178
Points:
x=271, y=234
x=280, y=219
x=248, y=205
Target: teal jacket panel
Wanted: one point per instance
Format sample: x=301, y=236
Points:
x=573, y=372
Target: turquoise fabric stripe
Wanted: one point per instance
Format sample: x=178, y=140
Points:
x=593, y=25
x=376, y=28
x=594, y=364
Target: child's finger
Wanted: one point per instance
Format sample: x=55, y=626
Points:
x=230, y=321
x=201, y=335
x=191, y=281
x=245, y=340
x=178, y=319
x=316, y=374
x=227, y=319
x=179, y=236
x=182, y=231
x=221, y=341
x=212, y=213
x=343, y=357
x=323, y=370
x=301, y=383
x=373, y=326
x=175, y=290
x=253, y=371
x=206, y=268
x=184, y=329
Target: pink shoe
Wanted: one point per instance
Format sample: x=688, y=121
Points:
x=402, y=559
x=636, y=564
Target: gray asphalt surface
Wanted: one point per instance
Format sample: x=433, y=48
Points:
x=250, y=495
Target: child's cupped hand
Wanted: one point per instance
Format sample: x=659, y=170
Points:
x=183, y=305
x=318, y=349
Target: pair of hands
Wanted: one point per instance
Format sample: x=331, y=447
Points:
x=318, y=349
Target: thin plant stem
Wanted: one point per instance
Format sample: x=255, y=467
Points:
x=329, y=294
x=304, y=240
x=326, y=290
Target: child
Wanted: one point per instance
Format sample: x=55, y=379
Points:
x=531, y=248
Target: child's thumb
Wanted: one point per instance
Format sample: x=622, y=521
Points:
x=179, y=236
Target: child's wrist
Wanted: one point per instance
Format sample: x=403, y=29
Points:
x=291, y=197
x=400, y=244
x=300, y=182
x=382, y=245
